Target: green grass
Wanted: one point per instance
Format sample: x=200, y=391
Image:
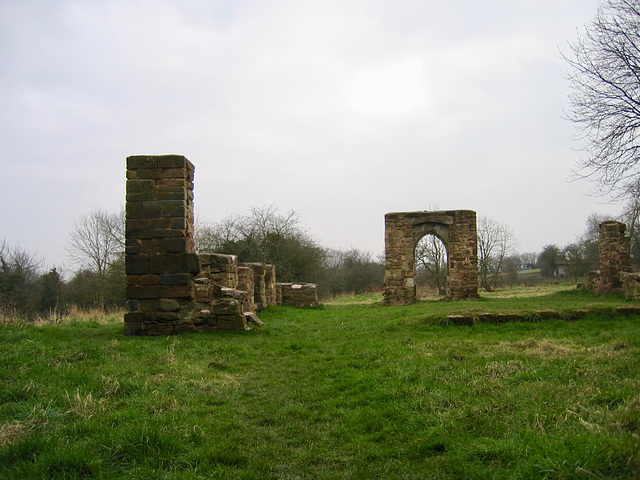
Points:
x=350, y=391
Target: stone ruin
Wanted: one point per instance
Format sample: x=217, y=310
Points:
x=457, y=230
x=614, y=275
x=170, y=289
x=301, y=295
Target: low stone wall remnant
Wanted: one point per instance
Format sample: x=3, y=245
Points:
x=301, y=295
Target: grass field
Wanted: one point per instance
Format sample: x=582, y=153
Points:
x=350, y=391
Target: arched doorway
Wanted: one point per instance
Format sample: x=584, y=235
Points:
x=432, y=267
x=457, y=230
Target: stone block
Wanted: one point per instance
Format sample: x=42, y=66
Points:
x=149, y=173
x=136, y=264
x=175, y=173
x=175, y=245
x=167, y=316
x=133, y=247
x=226, y=306
x=169, y=192
x=173, y=211
x=168, y=233
x=163, y=263
x=188, y=263
x=173, y=161
x=150, y=279
x=178, y=223
x=139, y=197
x=184, y=326
x=135, y=162
x=169, y=305
x=152, y=245
x=135, y=317
x=203, y=293
x=149, y=305
x=155, y=329
x=137, y=186
x=175, y=279
x=133, y=305
x=159, y=291
x=231, y=322
x=133, y=328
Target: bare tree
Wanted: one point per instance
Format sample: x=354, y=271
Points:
x=605, y=97
x=96, y=242
x=19, y=271
x=528, y=259
x=631, y=216
x=264, y=235
x=431, y=261
x=496, y=242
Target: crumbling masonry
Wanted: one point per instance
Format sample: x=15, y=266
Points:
x=170, y=289
x=614, y=275
x=457, y=230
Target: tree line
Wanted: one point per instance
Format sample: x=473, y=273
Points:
x=96, y=248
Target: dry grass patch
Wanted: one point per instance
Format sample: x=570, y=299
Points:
x=544, y=348
x=84, y=406
x=11, y=432
x=533, y=291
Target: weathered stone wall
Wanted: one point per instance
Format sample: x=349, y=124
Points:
x=221, y=269
x=456, y=229
x=169, y=288
x=301, y=295
x=259, y=287
x=246, y=284
x=270, y=284
x=630, y=285
x=615, y=262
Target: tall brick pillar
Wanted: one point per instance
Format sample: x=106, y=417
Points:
x=160, y=258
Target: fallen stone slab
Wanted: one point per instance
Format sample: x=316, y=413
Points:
x=539, y=315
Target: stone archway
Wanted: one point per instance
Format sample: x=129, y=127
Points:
x=457, y=230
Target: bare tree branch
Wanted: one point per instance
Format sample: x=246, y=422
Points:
x=605, y=98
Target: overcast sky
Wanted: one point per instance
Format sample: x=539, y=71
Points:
x=342, y=110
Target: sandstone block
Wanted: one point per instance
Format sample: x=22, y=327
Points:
x=175, y=279
x=169, y=305
x=232, y=322
x=136, y=264
x=155, y=329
